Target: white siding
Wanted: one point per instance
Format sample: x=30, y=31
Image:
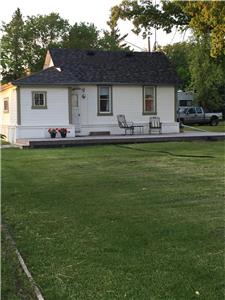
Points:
x=9, y=118
x=166, y=103
x=127, y=100
x=56, y=112
x=36, y=122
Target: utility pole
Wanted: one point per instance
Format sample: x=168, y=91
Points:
x=149, y=44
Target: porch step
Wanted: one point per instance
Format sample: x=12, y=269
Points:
x=97, y=133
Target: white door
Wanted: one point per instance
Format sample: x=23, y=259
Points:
x=75, y=112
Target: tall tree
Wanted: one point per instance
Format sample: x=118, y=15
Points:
x=112, y=40
x=82, y=36
x=12, y=48
x=208, y=18
x=179, y=56
x=203, y=17
x=207, y=76
x=42, y=32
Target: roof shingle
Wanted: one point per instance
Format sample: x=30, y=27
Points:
x=104, y=67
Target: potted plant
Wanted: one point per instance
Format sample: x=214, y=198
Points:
x=63, y=132
x=52, y=132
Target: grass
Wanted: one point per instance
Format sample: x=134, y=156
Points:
x=141, y=221
x=14, y=284
x=219, y=128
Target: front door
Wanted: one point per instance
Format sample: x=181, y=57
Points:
x=75, y=111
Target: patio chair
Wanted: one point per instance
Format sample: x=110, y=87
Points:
x=124, y=125
x=128, y=125
x=155, y=125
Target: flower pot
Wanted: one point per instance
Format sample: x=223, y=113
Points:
x=53, y=135
x=63, y=134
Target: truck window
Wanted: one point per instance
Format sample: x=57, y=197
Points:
x=191, y=110
x=199, y=110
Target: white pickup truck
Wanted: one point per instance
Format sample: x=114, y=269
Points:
x=196, y=115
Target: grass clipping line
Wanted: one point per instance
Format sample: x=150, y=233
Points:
x=23, y=265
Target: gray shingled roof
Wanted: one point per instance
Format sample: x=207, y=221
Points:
x=104, y=67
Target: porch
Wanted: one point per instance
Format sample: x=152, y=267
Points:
x=117, y=139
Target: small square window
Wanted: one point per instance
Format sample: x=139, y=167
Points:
x=6, y=105
x=39, y=100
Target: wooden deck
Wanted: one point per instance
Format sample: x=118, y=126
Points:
x=117, y=139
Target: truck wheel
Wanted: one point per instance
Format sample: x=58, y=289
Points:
x=214, y=122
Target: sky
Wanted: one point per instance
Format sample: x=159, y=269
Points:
x=88, y=11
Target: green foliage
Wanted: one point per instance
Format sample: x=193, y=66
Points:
x=179, y=56
x=199, y=71
x=208, y=76
x=112, y=40
x=24, y=42
x=82, y=36
x=145, y=15
x=87, y=36
x=41, y=33
x=12, y=48
x=201, y=16
x=208, y=17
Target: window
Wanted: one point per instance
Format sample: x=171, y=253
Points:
x=104, y=100
x=199, y=110
x=6, y=105
x=149, y=100
x=191, y=110
x=39, y=99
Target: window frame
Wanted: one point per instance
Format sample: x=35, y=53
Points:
x=6, y=100
x=105, y=113
x=154, y=100
x=34, y=106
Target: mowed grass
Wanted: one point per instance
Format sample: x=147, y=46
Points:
x=219, y=128
x=15, y=285
x=141, y=221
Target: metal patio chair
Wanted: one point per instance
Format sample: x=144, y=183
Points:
x=155, y=125
x=128, y=126
x=124, y=125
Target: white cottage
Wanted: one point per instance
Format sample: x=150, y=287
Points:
x=84, y=91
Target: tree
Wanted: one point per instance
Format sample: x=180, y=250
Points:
x=24, y=43
x=41, y=33
x=207, y=76
x=82, y=36
x=12, y=48
x=203, y=17
x=179, y=56
x=112, y=40
x=87, y=36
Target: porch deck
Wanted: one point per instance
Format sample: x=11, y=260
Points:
x=117, y=139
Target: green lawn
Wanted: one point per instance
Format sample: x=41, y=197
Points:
x=15, y=285
x=141, y=221
x=219, y=128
